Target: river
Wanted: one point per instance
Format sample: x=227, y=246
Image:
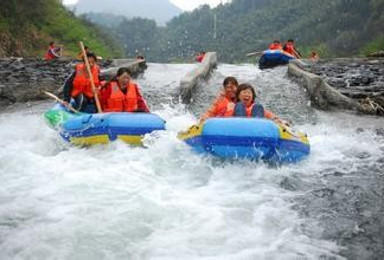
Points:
x=166, y=202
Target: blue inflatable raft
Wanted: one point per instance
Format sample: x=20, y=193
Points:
x=251, y=138
x=89, y=129
x=273, y=58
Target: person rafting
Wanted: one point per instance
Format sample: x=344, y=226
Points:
x=78, y=85
x=289, y=47
x=276, y=45
x=140, y=57
x=52, y=52
x=248, y=106
x=314, y=56
x=121, y=94
x=225, y=102
x=200, y=56
x=80, y=55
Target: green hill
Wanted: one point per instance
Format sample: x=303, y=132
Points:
x=27, y=26
x=334, y=28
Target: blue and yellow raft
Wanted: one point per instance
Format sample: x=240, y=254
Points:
x=251, y=138
x=89, y=129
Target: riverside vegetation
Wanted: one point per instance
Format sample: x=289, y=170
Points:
x=27, y=26
x=334, y=28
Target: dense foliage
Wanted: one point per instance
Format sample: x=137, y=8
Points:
x=27, y=26
x=331, y=27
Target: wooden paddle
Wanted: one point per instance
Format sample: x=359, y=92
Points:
x=61, y=101
x=99, y=110
x=253, y=53
x=296, y=54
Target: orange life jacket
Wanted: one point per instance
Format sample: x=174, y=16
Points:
x=82, y=83
x=275, y=46
x=225, y=108
x=120, y=102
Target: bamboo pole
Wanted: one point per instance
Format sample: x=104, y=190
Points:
x=99, y=110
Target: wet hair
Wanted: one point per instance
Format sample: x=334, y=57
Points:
x=228, y=80
x=121, y=71
x=91, y=55
x=245, y=86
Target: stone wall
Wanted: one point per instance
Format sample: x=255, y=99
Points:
x=23, y=80
x=354, y=83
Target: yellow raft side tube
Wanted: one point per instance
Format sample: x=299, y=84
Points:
x=104, y=139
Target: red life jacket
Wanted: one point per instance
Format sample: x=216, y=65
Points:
x=200, y=57
x=120, y=102
x=290, y=48
x=275, y=46
x=82, y=83
x=49, y=55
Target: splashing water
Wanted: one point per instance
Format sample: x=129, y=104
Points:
x=166, y=202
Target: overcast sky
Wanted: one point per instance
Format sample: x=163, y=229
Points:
x=185, y=5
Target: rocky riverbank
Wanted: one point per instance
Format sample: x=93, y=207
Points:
x=23, y=80
x=359, y=81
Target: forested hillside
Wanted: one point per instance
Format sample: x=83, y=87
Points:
x=27, y=26
x=331, y=27
x=334, y=28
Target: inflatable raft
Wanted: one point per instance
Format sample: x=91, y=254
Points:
x=89, y=129
x=251, y=138
x=273, y=58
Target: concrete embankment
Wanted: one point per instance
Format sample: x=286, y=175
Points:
x=136, y=67
x=192, y=79
x=23, y=80
x=356, y=84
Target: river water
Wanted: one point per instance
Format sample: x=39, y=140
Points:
x=166, y=202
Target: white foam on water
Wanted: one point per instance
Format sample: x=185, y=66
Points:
x=159, y=202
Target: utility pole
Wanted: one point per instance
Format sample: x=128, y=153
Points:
x=214, y=26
